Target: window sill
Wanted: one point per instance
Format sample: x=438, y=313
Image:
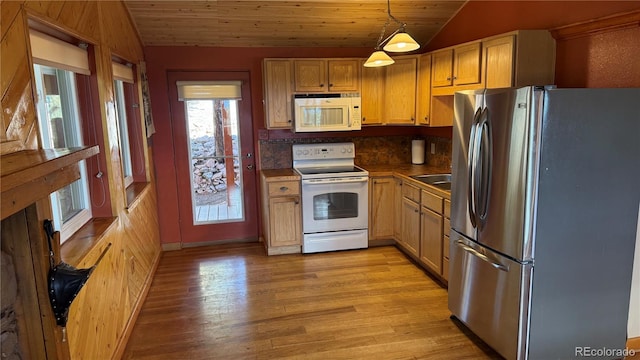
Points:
x=134, y=192
x=90, y=235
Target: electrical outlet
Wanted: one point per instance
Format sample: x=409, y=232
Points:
x=433, y=148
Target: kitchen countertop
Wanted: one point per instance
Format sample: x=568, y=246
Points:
x=403, y=169
x=280, y=174
x=407, y=170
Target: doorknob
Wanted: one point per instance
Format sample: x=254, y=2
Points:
x=250, y=167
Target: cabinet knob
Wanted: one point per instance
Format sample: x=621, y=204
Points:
x=448, y=77
x=321, y=85
x=289, y=121
x=283, y=188
x=330, y=85
x=455, y=78
x=364, y=119
x=426, y=118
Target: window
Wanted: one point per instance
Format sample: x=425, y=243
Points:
x=123, y=128
x=58, y=69
x=60, y=127
x=126, y=93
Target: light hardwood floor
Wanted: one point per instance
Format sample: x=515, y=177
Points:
x=233, y=302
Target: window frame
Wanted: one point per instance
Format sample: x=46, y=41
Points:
x=66, y=84
x=124, y=135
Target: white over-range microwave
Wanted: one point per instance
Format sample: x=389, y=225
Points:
x=327, y=112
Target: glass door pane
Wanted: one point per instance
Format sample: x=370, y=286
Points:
x=214, y=142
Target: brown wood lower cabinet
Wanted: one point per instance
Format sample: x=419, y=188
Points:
x=445, y=239
x=431, y=239
x=281, y=212
x=381, y=195
x=422, y=225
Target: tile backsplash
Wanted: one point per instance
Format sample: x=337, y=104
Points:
x=370, y=150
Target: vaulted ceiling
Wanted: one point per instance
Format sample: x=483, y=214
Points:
x=314, y=23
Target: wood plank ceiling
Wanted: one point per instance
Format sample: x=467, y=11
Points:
x=281, y=23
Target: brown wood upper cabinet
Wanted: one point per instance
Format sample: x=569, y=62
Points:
x=372, y=93
x=423, y=91
x=278, y=93
x=400, y=91
x=320, y=75
x=521, y=58
x=456, y=66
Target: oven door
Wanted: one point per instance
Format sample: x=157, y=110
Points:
x=335, y=204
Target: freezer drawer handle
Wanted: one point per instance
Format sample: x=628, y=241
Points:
x=483, y=257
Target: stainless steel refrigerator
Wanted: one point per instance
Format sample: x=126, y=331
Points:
x=544, y=211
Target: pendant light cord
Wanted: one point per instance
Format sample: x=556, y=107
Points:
x=384, y=28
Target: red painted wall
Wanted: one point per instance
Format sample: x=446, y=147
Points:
x=160, y=60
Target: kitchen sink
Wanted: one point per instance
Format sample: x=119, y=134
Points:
x=441, y=181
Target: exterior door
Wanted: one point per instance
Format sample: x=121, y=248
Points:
x=214, y=156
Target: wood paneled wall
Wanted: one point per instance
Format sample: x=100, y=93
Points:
x=104, y=312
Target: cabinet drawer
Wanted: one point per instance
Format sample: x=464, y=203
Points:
x=447, y=208
x=284, y=188
x=447, y=226
x=411, y=192
x=431, y=201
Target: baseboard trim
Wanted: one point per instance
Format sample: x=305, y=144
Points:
x=381, y=242
x=128, y=329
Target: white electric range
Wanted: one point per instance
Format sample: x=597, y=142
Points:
x=335, y=197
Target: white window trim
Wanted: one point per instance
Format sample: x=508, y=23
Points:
x=123, y=133
x=77, y=221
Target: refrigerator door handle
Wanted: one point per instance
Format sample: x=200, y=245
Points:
x=471, y=156
x=476, y=174
x=482, y=256
x=485, y=156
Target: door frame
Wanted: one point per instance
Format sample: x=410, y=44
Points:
x=211, y=233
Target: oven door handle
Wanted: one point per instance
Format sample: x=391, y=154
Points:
x=336, y=180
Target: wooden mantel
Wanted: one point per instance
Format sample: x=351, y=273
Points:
x=30, y=175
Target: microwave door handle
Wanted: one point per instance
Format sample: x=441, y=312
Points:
x=349, y=116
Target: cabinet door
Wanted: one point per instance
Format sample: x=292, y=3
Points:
x=372, y=94
x=278, y=94
x=423, y=93
x=498, y=55
x=400, y=91
x=431, y=240
x=397, y=210
x=344, y=75
x=411, y=226
x=284, y=221
x=310, y=75
x=442, y=68
x=466, y=65
x=381, y=209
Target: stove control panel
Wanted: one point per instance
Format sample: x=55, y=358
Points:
x=324, y=151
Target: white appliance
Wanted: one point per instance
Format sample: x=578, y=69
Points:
x=335, y=197
x=327, y=112
x=544, y=212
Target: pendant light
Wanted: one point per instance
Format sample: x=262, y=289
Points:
x=398, y=41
